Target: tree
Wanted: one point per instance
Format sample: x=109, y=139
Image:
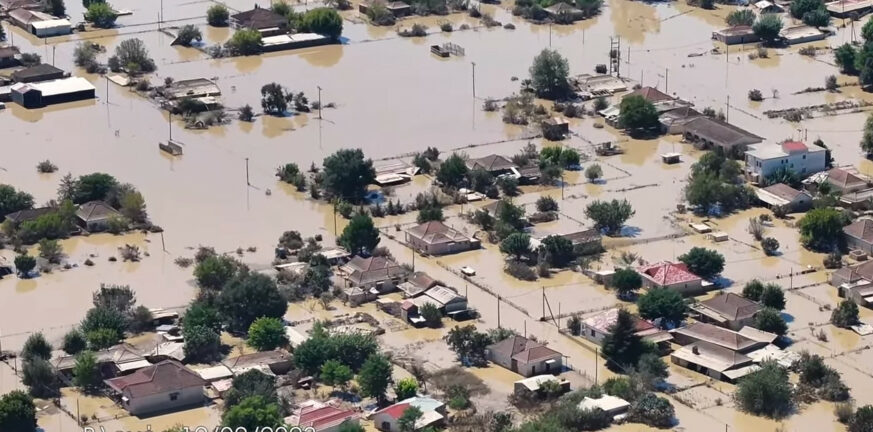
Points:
x=548, y=75
x=350, y=349
x=324, y=21
x=273, y=99
x=360, y=235
x=431, y=314
x=134, y=56
x=29, y=59
x=862, y=421
x=12, y=200
x=546, y=203
x=845, y=315
x=516, y=244
x=753, y=289
x=101, y=15
x=593, y=172
x=867, y=138
x=799, y=8
x=102, y=338
x=246, y=113
x=86, y=373
x=336, y=374
x=430, y=213
x=267, y=334
x=253, y=413
x=651, y=369
x=406, y=388
x=703, y=262
x=844, y=55
x=201, y=313
x=468, y=344
x=252, y=383
x=17, y=412
x=766, y=392
x=93, y=187
x=24, y=264
x=452, y=171
x=821, y=228
x=574, y=324
x=508, y=185
x=215, y=271
x=56, y=8
x=773, y=297
x=50, y=250
x=769, y=320
x=637, y=113
x=625, y=281
x=347, y=174
x=374, y=377
x=202, y=344
x=349, y=426
x=741, y=17
x=248, y=297
x=662, y=303
x=98, y=318
x=217, y=15
x=39, y=376
x=651, y=410
x=770, y=246
x=767, y=27
x=119, y=298
x=621, y=346
x=36, y=347
x=187, y=34
x=74, y=342
x=411, y=415
x=817, y=18
x=609, y=215
x=245, y=42
x=558, y=250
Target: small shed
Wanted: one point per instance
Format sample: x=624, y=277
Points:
x=671, y=158
x=40, y=72
x=95, y=215
x=555, y=128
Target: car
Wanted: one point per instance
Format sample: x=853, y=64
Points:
x=468, y=271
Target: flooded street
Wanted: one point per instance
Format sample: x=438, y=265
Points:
x=393, y=98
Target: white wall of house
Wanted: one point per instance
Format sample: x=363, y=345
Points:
x=541, y=367
x=164, y=401
x=803, y=163
x=593, y=334
x=385, y=422
x=856, y=243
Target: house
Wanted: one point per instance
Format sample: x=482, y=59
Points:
x=555, y=128
x=165, y=386
x=766, y=6
x=801, y=34
x=41, y=94
x=40, y=72
x=586, y=242
x=397, y=8
x=276, y=362
x=714, y=361
x=382, y=273
x=95, y=215
x=433, y=414
x=267, y=22
x=7, y=56
x=845, y=181
x=494, y=164
x=860, y=292
x=525, y=357
x=117, y=360
x=849, y=8
x=673, y=121
x=20, y=216
x=564, y=13
x=8, y=5
x=782, y=196
x=417, y=284
x=727, y=310
x=715, y=335
x=705, y=132
x=529, y=386
x=446, y=299
x=859, y=235
x=437, y=238
x=39, y=23
x=167, y=351
x=801, y=158
x=190, y=88
x=614, y=406
x=599, y=85
x=736, y=35
x=650, y=94
x=598, y=326
x=853, y=274
x=321, y=417
x=670, y=275
x=215, y=373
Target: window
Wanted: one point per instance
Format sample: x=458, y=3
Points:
x=592, y=332
x=174, y=396
x=804, y=156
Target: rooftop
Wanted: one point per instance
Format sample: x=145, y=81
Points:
x=843, y=178
x=28, y=214
x=783, y=191
x=603, y=321
x=775, y=151
x=720, y=132
x=9, y=51
x=443, y=296
x=582, y=237
x=533, y=383
x=711, y=356
x=491, y=163
x=605, y=402
x=716, y=335
x=257, y=360
x=320, y=415
x=95, y=211
x=436, y=232
x=373, y=269
x=35, y=71
x=666, y=273
x=523, y=349
x=195, y=87
x=259, y=18
x=860, y=271
x=59, y=86
x=732, y=306
x=425, y=404
x=737, y=31
x=861, y=229
x=651, y=94
x=166, y=376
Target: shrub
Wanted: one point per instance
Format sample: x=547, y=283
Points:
x=520, y=270
x=574, y=324
x=267, y=334
x=324, y=21
x=406, y=388
x=46, y=167
x=703, y=262
x=245, y=42
x=417, y=30
x=431, y=314
x=593, y=172
x=843, y=411
x=770, y=246
x=446, y=27
x=133, y=56
x=217, y=15
x=187, y=34
x=546, y=203
x=36, y=347
x=74, y=342
x=845, y=315
x=651, y=410
x=772, y=296
x=755, y=95
x=101, y=15
x=766, y=392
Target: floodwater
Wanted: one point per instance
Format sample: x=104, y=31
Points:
x=392, y=97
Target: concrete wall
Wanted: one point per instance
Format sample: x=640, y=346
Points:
x=386, y=423
x=164, y=402
x=540, y=367
x=802, y=163
x=854, y=243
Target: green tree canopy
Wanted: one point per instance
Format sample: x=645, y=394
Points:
x=39, y=377
x=86, y=373
x=24, y=264
x=101, y=15
x=245, y=42
x=17, y=412
x=766, y=392
x=74, y=342
x=703, y=262
x=741, y=17
x=609, y=215
x=93, y=187
x=134, y=56
x=202, y=343
x=622, y=347
x=217, y=15
x=324, y=21
x=769, y=320
x=772, y=296
x=12, y=200
x=637, y=113
x=862, y=421
x=753, y=289
x=253, y=413
x=98, y=318
x=767, y=27
x=375, y=375
x=468, y=344
x=252, y=383
x=651, y=410
x=335, y=373
x=360, y=235
x=558, y=250
x=201, y=313
x=845, y=315
x=516, y=244
x=821, y=229
x=406, y=388
x=431, y=314
x=662, y=303
x=625, y=281
x=347, y=174
x=36, y=347
x=267, y=333
x=549, y=75
x=248, y=297
x=350, y=349
x=844, y=55
x=452, y=171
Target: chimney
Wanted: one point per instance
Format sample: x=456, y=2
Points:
x=695, y=350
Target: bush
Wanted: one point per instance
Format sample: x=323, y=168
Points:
x=324, y=21
x=769, y=320
x=36, y=347
x=755, y=95
x=609, y=215
x=431, y=314
x=593, y=172
x=102, y=338
x=446, y=27
x=406, y=388
x=24, y=264
x=549, y=75
x=772, y=296
x=134, y=56
x=546, y=203
x=574, y=325
x=845, y=315
x=187, y=34
x=417, y=30
x=245, y=42
x=246, y=113
x=862, y=421
x=74, y=342
x=267, y=334
x=651, y=410
x=703, y=262
x=770, y=246
x=520, y=271
x=335, y=373
x=626, y=281
x=766, y=392
x=101, y=15
x=843, y=411
x=217, y=15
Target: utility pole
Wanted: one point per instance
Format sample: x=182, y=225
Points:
x=334, y=219
x=727, y=111
x=498, y=311
x=170, y=125
x=163, y=245
x=107, y=89
x=247, y=173
x=550, y=34
x=667, y=81
x=595, y=365
x=319, y=102
x=474, y=78
x=54, y=48
x=544, y=301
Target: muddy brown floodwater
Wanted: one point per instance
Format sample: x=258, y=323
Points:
x=393, y=97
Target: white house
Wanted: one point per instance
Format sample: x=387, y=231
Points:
x=525, y=357
x=433, y=413
x=804, y=159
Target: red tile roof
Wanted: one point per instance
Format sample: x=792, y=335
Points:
x=322, y=417
x=794, y=146
x=166, y=376
x=861, y=229
x=667, y=273
x=395, y=411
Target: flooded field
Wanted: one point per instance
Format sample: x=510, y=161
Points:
x=392, y=98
